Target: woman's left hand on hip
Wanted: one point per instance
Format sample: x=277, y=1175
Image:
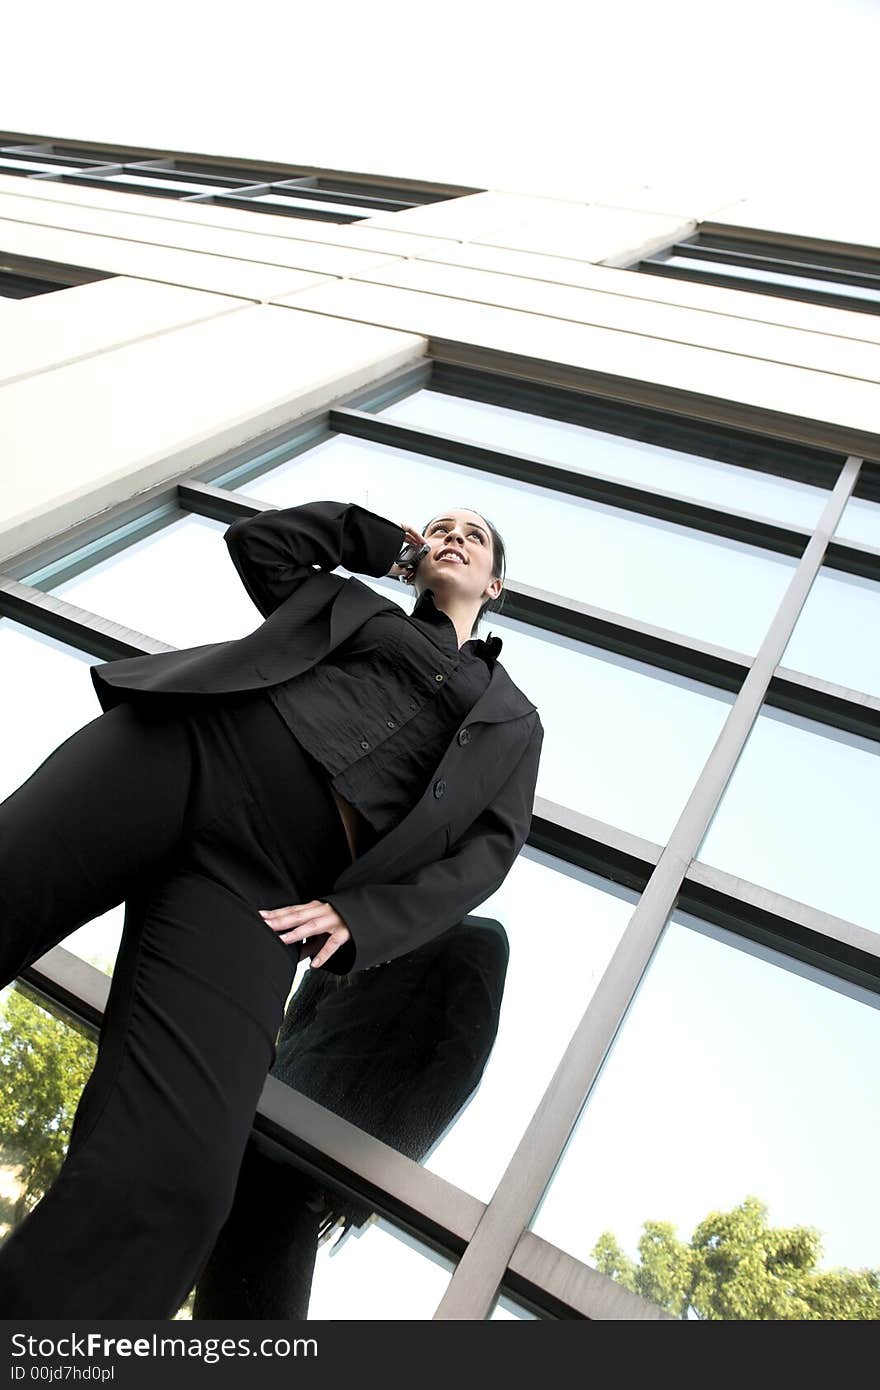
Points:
x=301, y=921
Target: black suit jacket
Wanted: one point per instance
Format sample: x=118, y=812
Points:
x=456, y=845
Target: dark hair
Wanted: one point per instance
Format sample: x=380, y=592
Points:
x=499, y=564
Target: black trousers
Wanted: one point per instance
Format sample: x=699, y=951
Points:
x=195, y=811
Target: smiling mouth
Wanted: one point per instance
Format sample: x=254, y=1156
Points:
x=453, y=556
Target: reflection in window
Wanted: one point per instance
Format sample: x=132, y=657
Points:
x=800, y=816
x=586, y=450
x=708, y=587
x=736, y=1074
x=45, y=1061
x=46, y=695
x=563, y=925
x=835, y=636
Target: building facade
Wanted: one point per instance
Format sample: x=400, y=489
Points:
x=667, y=401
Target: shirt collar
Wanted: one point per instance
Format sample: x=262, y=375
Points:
x=443, y=630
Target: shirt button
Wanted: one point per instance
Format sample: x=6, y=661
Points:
x=438, y=676
x=439, y=788
x=391, y=724
x=364, y=743
x=464, y=736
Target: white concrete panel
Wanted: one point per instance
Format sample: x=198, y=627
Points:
x=474, y=216
x=83, y=437
x=153, y=231
x=743, y=304
x=797, y=391
x=52, y=330
x=215, y=273
x=665, y=321
x=689, y=199
x=590, y=233
x=362, y=234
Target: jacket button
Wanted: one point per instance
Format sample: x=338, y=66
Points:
x=464, y=736
x=439, y=788
x=364, y=743
x=438, y=676
x=391, y=724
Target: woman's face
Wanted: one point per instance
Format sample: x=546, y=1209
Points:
x=465, y=535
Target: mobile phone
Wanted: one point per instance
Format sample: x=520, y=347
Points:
x=411, y=555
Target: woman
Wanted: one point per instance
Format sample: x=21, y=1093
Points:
x=252, y=801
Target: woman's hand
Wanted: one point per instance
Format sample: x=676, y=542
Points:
x=413, y=537
x=304, y=920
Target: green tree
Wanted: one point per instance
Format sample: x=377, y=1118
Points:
x=45, y=1061
x=738, y=1266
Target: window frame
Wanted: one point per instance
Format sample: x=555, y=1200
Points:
x=502, y=1252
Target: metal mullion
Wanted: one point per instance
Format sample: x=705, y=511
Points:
x=165, y=167
x=853, y=557
x=79, y=627
x=675, y=401
x=550, y=1280
x=675, y=508
x=304, y=214
x=28, y=153
x=627, y=419
x=660, y=648
x=318, y=1141
x=788, y=241
x=839, y=263
x=569, y=835
x=842, y=948
x=754, y=261
x=811, y=697
x=370, y=202
x=480, y=1271
x=758, y=286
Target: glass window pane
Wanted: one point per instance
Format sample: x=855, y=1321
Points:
x=549, y=922
x=772, y=277
x=860, y=522
x=28, y=166
x=836, y=635
x=282, y=200
x=736, y=1073
x=718, y=590
x=135, y=183
x=46, y=1062
x=178, y=585
x=586, y=450
x=563, y=924
x=634, y=760
x=45, y=696
x=800, y=816
x=377, y=1273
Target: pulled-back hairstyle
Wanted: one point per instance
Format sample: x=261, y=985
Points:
x=499, y=565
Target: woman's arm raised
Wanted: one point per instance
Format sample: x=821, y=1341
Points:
x=277, y=549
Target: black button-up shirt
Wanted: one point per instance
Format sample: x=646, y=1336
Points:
x=379, y=711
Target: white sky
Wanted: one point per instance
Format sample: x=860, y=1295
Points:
x=761, y=94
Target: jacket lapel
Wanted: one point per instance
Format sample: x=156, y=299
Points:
x=356, y=602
